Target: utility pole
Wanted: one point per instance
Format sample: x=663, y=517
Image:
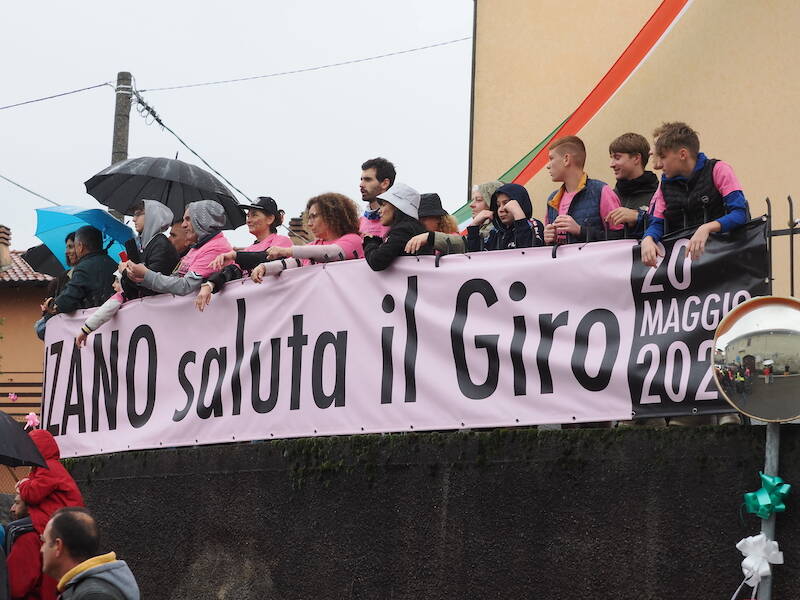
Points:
x=122, y=110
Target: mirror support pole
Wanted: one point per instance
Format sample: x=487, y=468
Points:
x=771, y=452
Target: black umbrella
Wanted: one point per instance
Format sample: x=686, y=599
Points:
x=16, y=446
x=42, y=260
x=167, y=180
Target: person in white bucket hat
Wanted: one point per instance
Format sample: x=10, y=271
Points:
x=399, y=210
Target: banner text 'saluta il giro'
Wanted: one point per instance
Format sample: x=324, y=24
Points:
x=483, y=340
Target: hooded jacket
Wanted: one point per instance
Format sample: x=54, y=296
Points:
x=151, y=248
x=208, y=219
x=99, y=577
x=380, y=254
x=47, y=490
x=523, y=233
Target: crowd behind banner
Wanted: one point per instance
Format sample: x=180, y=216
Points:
x=695, y=193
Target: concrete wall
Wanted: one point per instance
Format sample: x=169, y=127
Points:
x=582, y=514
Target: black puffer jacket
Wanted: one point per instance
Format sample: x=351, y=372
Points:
x=159, y=256
x=380, y=254
x=90, y=285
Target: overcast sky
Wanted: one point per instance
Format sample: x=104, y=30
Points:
x=290, y=137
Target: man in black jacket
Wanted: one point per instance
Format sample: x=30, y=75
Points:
x=70, y=547
x=92, y=276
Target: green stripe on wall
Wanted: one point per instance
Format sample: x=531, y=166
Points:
x=464, y=213
x=511, y=174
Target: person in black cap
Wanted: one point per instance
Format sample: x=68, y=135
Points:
x=442, y=230
x=263, y=219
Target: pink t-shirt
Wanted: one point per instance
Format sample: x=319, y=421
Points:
x=273, y=239
x=608, y=202
x=350, y=243
x=199, y=259
x=372, y=227
x=725, y=181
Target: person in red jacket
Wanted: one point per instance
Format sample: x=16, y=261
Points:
x=24, y=562
x=47, y=490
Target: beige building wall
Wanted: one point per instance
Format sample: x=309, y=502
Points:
x=21, y=352
x=728, y=67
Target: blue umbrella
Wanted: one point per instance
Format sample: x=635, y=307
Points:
x=53, y=225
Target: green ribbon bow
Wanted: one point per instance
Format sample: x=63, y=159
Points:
x=768, y=499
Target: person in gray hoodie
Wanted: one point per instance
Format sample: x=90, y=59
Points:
x=70, y=546
x=150, y=246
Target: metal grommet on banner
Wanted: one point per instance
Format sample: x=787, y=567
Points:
x=694, y=410
x=633, y=413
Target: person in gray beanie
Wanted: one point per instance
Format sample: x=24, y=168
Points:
x=399, y=210
x=203, y=222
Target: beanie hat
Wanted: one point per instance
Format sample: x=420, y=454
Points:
x=404, y=198
x=207, y=217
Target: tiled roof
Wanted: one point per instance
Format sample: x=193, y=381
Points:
x=21, y=273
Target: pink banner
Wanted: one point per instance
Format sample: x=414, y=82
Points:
x=481, y=340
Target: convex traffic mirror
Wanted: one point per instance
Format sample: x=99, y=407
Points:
x=757, y=358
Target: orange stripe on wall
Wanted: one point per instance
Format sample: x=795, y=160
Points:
x=636, y=51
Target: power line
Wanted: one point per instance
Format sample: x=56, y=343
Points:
x=19, y=185
x=91, y=87
x=308, y=69
x=145, y=109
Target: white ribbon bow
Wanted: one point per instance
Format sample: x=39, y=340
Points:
x=759, y=553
